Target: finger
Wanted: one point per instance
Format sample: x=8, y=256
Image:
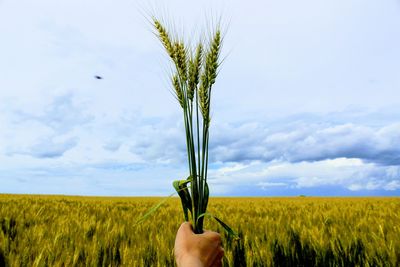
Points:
x=218, y=255
x=217, y=262
x=212, y=236
x=206, y=232
x=186, y=228
x=215, y=238
x=221, y=251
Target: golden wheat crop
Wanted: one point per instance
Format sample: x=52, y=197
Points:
x=97, y=231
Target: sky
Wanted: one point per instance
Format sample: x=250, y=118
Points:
x=307, y=100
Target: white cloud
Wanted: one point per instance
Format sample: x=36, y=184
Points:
x=392, y=185
x=65, y=135
x=231, y=168
x=351, y=174
x=370, y=185
x=306, y=141
x=264, y=185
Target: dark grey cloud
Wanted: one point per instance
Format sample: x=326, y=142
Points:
x=112, y=146
x=51, y=149
x=293, y=140
x=62, y=114
x=48, y=132
x=117, y=166
x=160, y=142
x=308, y=142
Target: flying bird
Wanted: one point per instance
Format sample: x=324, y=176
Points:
x=98, y=77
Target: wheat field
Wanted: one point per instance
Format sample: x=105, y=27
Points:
x=100, y=231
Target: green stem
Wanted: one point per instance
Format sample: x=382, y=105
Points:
x=198, y=152
x=207, y=135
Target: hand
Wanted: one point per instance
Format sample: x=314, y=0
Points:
x=197, y=250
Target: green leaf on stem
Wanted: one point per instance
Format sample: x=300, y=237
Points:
x=153, y=209
x=206, y=196
x=183, y=192
x=228, y=229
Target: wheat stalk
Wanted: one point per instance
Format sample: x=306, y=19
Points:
x=195, y=74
